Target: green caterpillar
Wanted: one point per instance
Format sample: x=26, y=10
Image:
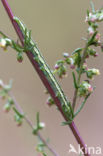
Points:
x=29, y=45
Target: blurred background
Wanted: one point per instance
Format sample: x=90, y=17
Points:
x=57, y=26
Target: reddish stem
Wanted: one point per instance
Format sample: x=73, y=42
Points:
x=44, y=79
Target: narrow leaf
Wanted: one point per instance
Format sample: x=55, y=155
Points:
x=37, y=118
x=3, y=34
x=91, y=40
x=74, y=80
x=92, y=6
x=18, y=113
x=82, y=105
x=78, y=50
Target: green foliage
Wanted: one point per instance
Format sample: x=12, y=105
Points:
x=40, y=148
x=39, y=125
x=77, y=61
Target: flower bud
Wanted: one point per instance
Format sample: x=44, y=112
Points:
x=50, y=101
x=3, y=43
x=90, y=31
x=60, y=68
x=96, y=54
x=96, y=71
x=92, y=18
x=56, y=66
x=97, y=38
x=92, y=52
x=1, y=84
x=66, y=55
x=7, y=107
x=41, y=125
x=19, y=57
x=85, y=66
x=90, y=89
x=18, y=120
x=85, y=89
x=8, y=41
x=72, y=66
x=91, y=72
x=86, y=19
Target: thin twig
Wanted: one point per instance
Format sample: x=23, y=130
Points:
x=20, y=110
x=79, y=76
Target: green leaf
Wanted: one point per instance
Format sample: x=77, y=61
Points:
x=7, y=107
x=71, y=109
x=39, y=125
x=92, y=6
x=37, y=118
x=17, y=47
x=18, y=119
x=78, y=50
x=25, y=37
x=18, y=113
x=88, y=13
x=82, y=105
x=44, y=154
x=91, y=40
x=3, y=94
x=66, y=123
x=20, y=56
x=40, y=147
x=35, y=130
x=4, y=36
x=10, y=101
x=8, y=87
x=29, y=39
x=74, y=80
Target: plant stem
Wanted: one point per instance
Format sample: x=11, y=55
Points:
x=79, y=76
x=44, y=79
x=82, y=105
x=32, y=126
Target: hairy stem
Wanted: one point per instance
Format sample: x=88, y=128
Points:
x=44, y=79
x=32, y=126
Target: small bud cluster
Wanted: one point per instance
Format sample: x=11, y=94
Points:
x=4, y=90
x=18, y=119
x=4, y=94
x=93, y=18
x=91, y=52
x=75, y=59
x=41, y=149
x=50, y=101
x=5, y=42
x=19, y=57
x=91, y=72
x=60, y=68
x=8, y=105
x=84, y=89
